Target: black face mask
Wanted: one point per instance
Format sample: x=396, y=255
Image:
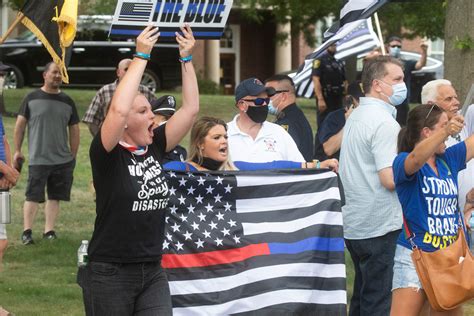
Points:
x=258, y=114
x=209, y=163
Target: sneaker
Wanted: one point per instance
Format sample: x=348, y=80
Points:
x=50, y=235
x=27, y=237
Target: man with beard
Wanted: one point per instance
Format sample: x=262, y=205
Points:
x=251, y=137
x=329, y=80
x=50, y=114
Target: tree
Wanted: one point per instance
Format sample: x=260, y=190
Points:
x=459, y=45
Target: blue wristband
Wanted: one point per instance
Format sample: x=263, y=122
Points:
x=186, y=59
x=142, y=55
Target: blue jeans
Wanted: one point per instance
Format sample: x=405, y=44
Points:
x=373, y=265
x=124, y=289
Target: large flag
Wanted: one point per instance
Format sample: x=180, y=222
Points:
x=259, y=243
x=353, y=20
x=54, y=23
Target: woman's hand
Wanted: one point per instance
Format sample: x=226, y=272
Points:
x=455, y=125
x=469, y=207
x=147, y=39
x=332, y=164
x=186, y=41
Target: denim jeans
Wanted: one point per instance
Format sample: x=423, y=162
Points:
x=373, y=265
x=124, y=289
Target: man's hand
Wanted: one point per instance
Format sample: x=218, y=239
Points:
x=10, y=174
x=322, y=105
x=424, y=47
x=17, y=156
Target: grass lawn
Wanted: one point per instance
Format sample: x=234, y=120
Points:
x=41, y=279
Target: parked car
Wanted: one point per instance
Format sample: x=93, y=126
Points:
x=94, y=58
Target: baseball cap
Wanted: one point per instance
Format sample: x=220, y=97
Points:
x=165, y=105
x=251, y=86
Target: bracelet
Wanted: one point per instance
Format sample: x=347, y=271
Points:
x=142, y=56
x=317, y=163
x=186, y=59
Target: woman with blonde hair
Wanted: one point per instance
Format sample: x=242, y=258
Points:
x=208, y=150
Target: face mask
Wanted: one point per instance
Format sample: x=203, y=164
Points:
x=395, y=52
x=258, y=114
x=272, y=109
x=209, y=163
x=399, y=93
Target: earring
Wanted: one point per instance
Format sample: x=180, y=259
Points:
x=126, y=126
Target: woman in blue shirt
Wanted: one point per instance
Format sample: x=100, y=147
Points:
x=209, y=151
x=425, y=174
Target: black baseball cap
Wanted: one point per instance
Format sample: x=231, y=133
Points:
x=251, y=86
x=165, y=105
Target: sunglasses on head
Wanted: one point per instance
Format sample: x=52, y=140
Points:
x=258, y=101
x=429, y=112
x=398, y=46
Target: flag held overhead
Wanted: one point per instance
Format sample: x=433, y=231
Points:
x=54, y=23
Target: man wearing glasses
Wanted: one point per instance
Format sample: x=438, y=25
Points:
x=395, y=46
x=281, y=91
x=251, y=137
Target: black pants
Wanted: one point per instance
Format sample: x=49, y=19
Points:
x=373, y=265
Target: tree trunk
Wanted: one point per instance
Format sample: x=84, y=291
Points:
x=459, y=64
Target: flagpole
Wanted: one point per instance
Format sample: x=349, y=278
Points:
x=18, y=19
x=379, y=33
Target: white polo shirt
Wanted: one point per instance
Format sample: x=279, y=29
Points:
x=272, y=143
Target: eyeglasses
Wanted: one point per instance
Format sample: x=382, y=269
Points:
x=258, y=101
x=398, y=46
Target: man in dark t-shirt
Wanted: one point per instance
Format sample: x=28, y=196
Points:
x=53, y=141
x=395, y=46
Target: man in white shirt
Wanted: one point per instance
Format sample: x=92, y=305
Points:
x=442, y=93
x=372, y=215
x=251, y=137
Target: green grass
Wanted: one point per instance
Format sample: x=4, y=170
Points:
x=41, y=279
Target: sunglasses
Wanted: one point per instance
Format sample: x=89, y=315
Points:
x=393, y=46
x=271, y=91
x=429, y=112
x=258, y=101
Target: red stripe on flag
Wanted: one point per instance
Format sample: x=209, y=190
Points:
x=214, y=257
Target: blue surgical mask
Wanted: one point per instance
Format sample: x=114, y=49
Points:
x=272, y=109
x=395, y=52
x=399, y=93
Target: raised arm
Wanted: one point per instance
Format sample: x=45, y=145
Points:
x=180, y=123
x=427, y=147
x=122, y=101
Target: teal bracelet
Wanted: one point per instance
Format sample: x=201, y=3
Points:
x=186, y=59
x=142, y=55
x=318, y=165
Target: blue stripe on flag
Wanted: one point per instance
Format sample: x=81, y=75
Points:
x=309, y=244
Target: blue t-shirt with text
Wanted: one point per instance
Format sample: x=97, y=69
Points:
x=430, y=201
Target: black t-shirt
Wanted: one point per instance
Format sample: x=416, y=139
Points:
x=333, y=123
x=408, y=67
x=131, y=199
x=293, y=120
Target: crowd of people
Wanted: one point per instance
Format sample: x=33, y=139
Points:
x=420, y=171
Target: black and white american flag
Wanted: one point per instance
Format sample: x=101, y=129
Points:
x=261, y=242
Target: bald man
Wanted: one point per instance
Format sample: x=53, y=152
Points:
x=97, y=110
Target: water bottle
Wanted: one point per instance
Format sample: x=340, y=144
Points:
x=82, y=257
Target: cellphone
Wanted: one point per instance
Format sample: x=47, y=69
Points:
x=348, y=102
x=19, y=163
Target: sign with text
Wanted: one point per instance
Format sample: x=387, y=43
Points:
x=206, y=17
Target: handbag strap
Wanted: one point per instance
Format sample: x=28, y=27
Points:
x=409, y=234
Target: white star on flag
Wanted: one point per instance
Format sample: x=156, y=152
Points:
x=195, y=226
x=173, y=209
x=209, y=189
x=220, y=216
x=225, y=232
x=191, y=208
x=199, y=243
x=182, y=182
x=213, y=225
x=218, y=241
x=166, y=244
x=208, y=207
x=187, y=235
x=179, y=246
x=191, y=190
x=227, y=206
x=228, y=188
x=236, y=239
x=206, y=234
x=232, y=223
x=219, y=180
x=175, y=227
x=172, y=191
x=218, y=198
x=199, y=199
x=183, y=218
x=201, y=181
x=202, y=217
x=182, y=200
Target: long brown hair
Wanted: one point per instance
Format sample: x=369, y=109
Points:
x=424, y=115
x=199, y=131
